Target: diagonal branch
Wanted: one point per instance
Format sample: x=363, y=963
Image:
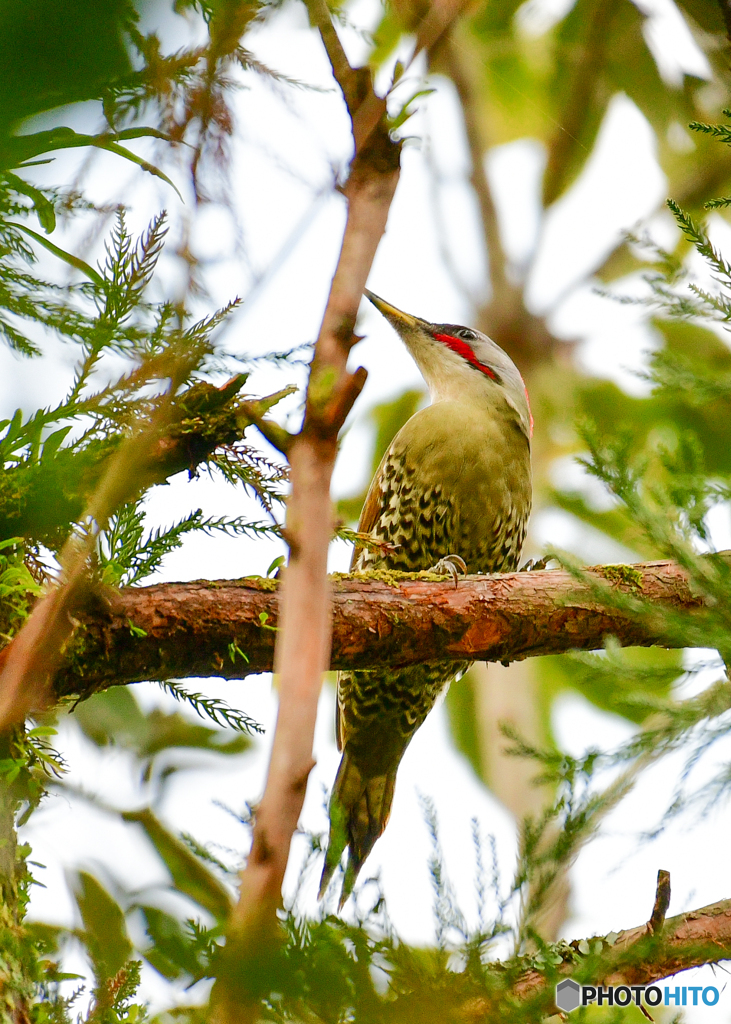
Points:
x=635, y=957
x=459, y=65
x=303, y=641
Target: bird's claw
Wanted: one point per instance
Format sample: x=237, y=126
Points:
x=534, y=565
x=450, y=565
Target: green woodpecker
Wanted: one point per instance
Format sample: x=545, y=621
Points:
x=454, y=488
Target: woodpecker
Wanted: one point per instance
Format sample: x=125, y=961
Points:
x=453, y=489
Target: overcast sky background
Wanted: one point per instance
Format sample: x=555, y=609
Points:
x=280, y=258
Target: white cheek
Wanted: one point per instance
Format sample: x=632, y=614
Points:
x=448, y=376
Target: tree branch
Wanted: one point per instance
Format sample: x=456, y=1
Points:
x=303, y=641
x=662, y=902
x=188, y=629
x=182, y=432
x=637, y=958
x=458, y=62
x=504, y=317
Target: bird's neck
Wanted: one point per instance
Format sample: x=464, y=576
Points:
x=491, y=402
x=465, y=390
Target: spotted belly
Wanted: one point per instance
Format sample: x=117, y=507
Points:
x=381, y=709
x=416, y=527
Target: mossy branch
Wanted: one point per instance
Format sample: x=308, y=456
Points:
x=635, y=957
x=387, y=618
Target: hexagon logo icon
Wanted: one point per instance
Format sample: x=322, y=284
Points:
x=567, y=995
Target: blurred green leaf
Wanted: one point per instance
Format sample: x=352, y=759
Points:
x=54, y=441
x=107, y=941
x=403, y=114
x=112, y=146
x=56, y=53
x=172, y=952
x=115, y=717
x=583, y=40
x=701, y=344
x=706, y=13
x=190, y=876
x=512, y=71
x=20, y=150
x=626, y=681
x=43, y=206
x=48, y=936
x=165, y=730
x=67, y=257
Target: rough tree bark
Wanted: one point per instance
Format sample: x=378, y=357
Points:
x=637, y=957
x=182, y=433
x=189, y=629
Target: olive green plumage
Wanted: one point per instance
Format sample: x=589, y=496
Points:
x=454, y=481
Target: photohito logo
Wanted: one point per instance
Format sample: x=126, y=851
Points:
x=570, y=995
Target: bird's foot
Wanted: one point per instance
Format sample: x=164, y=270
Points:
x=534, y=565
x=450, y=565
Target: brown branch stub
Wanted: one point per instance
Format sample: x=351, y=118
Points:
x=688, y=940
x=662, y=902
x=385, y=619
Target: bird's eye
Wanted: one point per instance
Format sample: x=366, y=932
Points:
x=467, y=333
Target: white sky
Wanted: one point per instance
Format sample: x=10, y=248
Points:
x=284, y=150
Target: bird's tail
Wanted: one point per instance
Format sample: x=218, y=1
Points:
x=359, y=810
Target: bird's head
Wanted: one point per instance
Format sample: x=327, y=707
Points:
x=459, y=363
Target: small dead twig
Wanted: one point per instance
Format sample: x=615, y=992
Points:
x=662, y=902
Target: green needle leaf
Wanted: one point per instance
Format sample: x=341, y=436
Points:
x=43, y=207
x=67, y=257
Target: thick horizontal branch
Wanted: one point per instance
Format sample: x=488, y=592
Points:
x=227, y=628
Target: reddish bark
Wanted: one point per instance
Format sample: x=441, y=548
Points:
x=189, y=627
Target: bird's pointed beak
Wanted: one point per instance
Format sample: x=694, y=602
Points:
x=394, y=316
